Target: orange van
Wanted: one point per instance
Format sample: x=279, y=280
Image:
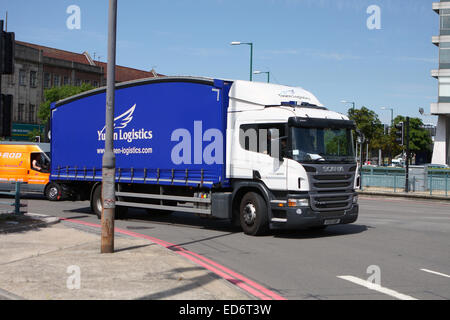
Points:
x=27, y=163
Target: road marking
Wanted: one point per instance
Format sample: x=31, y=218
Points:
x=375, y=287
x=438, y=273
x=236, y=279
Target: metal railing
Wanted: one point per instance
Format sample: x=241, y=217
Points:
x=425, y=182
x=16, y=203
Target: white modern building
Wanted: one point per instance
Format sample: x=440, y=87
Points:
x=441, y=152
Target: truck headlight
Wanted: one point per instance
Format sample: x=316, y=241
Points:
x=298, y=202
x=355, y=199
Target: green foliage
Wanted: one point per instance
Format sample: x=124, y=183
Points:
x=420, y=139
x=369, y=124
x=336, y=142
x=35, y=133
x=58, y=93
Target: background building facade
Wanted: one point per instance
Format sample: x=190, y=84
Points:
x=441, y=152
x=37, y=68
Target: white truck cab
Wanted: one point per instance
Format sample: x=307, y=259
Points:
x=296, y=152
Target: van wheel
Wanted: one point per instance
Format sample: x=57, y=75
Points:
x=254, y=215
x=97, y=205
x=53, y=192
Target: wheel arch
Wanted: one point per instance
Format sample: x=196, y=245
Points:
x=241, y=188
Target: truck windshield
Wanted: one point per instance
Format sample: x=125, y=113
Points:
x=322, y=145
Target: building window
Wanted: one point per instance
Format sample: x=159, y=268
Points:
x=31, y=113
x=444, y=55
x=445, y=21
x=20, y=112
x=66, y=81
x=444, y=86
x=78, y=82
x=95, y=84
x=47, y=80
x=56, y=80
x=22, y=78
x=33, y=79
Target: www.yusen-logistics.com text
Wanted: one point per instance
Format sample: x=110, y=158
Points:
x=128, y=151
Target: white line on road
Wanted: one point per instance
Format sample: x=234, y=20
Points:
x=372, y=286
x=438, y=273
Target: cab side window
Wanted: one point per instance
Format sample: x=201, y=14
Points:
x=262, y=138
x=39, y=162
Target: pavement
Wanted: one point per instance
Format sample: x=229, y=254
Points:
x=409, y=195
x=47, y=260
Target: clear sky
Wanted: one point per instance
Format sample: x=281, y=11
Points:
x=323, y=46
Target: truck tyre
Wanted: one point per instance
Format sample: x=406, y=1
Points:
x=253, y=215
x=53, y=192
x=96, y=201
x=97, y=205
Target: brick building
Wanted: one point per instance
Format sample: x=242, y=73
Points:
x=38, y=68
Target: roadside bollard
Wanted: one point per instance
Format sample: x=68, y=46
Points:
x=431, y=184
x=17, y=199
x=446, y=184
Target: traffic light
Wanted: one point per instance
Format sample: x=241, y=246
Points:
x=7, y=46
x=6, y=115
x=400, y=133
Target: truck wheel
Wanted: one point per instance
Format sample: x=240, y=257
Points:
x=97, y=205
x=53, y=192
x=96, y=202
x=254, y=215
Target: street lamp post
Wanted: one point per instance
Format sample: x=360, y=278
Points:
x=109, y=159
x=392, y=127
x=349, y=102
x=236, y=43
x=262, y=72
x=392, y=114
x=353, y=108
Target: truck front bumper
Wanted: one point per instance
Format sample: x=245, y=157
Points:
x=306, y=217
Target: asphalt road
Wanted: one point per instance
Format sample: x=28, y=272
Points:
x=403, y=244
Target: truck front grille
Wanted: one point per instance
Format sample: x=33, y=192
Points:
x=331, y=194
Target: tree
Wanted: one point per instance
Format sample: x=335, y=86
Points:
x=35, y=133
x=58, y=93
x=420, y=139
x=369, y=124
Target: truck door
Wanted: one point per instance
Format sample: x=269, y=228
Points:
x=260, y=154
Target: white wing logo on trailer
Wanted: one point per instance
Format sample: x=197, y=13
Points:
x=121, y=122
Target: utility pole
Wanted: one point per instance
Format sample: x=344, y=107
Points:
x=109, y=159
x=407, y=156
x=7, y=54
x=1, y=63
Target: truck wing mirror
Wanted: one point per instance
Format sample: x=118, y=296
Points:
x=360, y=136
